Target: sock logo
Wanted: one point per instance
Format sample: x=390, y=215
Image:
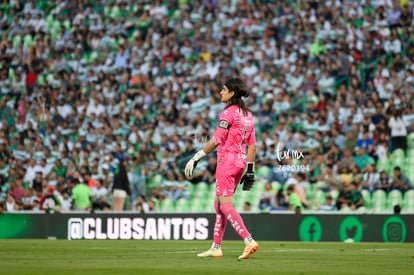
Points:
x=235, y=224
x=217, y=225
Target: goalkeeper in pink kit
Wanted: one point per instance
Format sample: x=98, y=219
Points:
x=234, y=137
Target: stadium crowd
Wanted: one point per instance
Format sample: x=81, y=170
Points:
x=89, y=86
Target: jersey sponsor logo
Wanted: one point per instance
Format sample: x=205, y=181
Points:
x=223, y=124
x=246, y=123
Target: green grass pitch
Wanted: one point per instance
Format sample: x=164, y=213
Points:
x=179, y=257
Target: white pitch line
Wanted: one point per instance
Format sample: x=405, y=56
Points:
x=277, y=250
x=261, y=250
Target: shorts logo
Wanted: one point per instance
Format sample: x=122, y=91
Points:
x=223, y=124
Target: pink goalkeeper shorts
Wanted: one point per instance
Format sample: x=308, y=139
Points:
x=228, y=174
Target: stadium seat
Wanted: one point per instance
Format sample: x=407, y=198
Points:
x=320, y=197
x=155, y=181
x=410, y=141
x=17, y=40
x=379, y=195
x=263, y=171
x=383, y=165
x=310, y=191
x=167, y=205
x=409, y=194
x=345, y=209
x=202, y=190
x=334, y=193
x=394, y=197
x=182, y=206
x=398, y=153
x=192, y=188
x=12, y=74
x=410, y=175
x=276, y=185
x=361, y=209
x=379, y=201
x=367, y=198
x=197, y=206
x=408, y=205
x=400, y=163
x=410, y=154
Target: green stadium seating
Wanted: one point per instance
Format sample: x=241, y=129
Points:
x=394, y=197
x=361, y=209
x=409, y=201
x=167, y=205
x=276, y=185
x=183, y=205
x=310, y=191
x=383, y=165
x=367, y=198
x=409, y=194
x=410, y=141
x=17, y=40
x=263, y=171
x=320, y=197
x=379, y=201
x=410, y=175
x=334, y=193
x=398, y=153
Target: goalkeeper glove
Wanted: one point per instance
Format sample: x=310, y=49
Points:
x=192, y=163
x=248, y=178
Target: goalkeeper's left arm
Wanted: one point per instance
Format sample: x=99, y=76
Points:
x=192, y=163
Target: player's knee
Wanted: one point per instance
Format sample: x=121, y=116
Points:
x=225, y=207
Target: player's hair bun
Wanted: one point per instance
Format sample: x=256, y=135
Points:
x=238, y=86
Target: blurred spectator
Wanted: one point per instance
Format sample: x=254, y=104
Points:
x=294, y=200
x=81, y=195
x=344, y=197
x=16, y=190
x=384, y=182
x=370, y=178
x=267, y=197
x=281, y=202
x=11, y=204
x=329, y=179
x=138, y=179
x=398, y=130
x=49, y=202
x=100, y=196
x=176, y=186
x=152, y=206
x=397, y=209
x=357, y=200
x=30, y=201
x=329, y=204
x=362, y=159
x=66, y=201
x=400, y=181
x=141, y=205
x=121, y=188
x=247, y=207
x=350, y=197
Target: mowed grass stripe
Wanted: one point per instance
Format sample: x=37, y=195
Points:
x=179, y=257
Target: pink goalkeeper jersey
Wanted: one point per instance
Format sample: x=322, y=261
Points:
x=234, y=132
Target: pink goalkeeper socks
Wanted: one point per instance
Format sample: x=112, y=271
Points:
x=220, y=224
x=235, y=219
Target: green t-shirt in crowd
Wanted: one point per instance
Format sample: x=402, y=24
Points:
x=81, y=193
x=294, y=201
